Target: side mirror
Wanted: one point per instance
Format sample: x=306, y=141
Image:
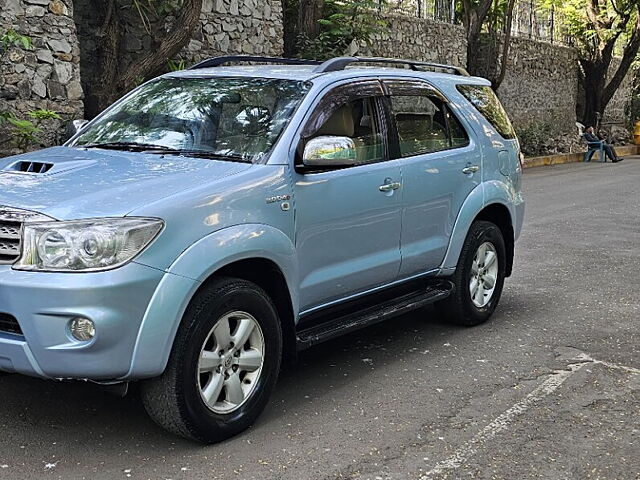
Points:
x=75, y=126
x=330, y=151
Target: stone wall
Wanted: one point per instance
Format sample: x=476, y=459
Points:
x=540, y=85
x=46, y=77
x=418, y=39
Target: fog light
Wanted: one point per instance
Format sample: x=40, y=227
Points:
x=82, y=329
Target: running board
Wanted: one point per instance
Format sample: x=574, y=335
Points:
x=350, y=321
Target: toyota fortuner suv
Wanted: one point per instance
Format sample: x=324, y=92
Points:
x=219, y=219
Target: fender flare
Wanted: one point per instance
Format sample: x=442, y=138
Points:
x=485, y=194
x=187, y=274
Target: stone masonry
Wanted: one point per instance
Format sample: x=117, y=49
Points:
x=418, y=39
x=540, y=84
x=48, y=76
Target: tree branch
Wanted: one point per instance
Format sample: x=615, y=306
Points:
x=170, y=45
x=505, y=45
x=629, y=55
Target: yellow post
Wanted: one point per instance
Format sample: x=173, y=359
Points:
x=636, y=133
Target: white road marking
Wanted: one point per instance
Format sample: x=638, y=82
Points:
x=502, y=422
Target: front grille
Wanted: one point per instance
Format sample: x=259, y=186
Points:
x=11, y=220
x=9, y=324
x=10, y=238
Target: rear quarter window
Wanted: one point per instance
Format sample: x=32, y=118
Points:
x=485, y=101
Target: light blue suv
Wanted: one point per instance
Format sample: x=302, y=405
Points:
x=217, y=220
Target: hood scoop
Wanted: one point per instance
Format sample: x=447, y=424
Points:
x=27, y=167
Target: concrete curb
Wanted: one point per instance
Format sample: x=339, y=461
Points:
x=574, y=157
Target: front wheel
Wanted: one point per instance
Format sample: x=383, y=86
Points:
x=223, y=366
x=479, y=276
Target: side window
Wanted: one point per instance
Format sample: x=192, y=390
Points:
x=459, y=137
x=359, y=120
x=421, y=123
x=486, y=102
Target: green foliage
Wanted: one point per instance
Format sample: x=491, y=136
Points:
x=341, y=23
x=42, y=114
x=176, y=65
x=23, y=133
x=11, y=38
x=534, y=138
x=611, y=17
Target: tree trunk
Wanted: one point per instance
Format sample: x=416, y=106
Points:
x=505, y=46
x=102, y=90
x=473, y=43
x=169, y=46
x=309, y=12
x=112, y=82
x=595, y=75
x=474, y=17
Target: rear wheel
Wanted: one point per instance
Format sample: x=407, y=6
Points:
x=479, y=276
x=223, y=366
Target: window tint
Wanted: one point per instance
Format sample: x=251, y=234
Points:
x=358, y=120
x=486, y=102
x=421, y=124
x=459, y=137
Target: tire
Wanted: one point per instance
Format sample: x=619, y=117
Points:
x=177, y=400
x=460, y=308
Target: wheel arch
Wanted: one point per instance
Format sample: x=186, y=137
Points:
x=257, y=253
x=267, y=275
x=485, y=202
x=498, y=214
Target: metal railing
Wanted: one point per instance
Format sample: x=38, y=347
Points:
x=530, y=18
x=441, y=10
x=547, y=24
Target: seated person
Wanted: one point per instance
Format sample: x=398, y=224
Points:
x=591, y=137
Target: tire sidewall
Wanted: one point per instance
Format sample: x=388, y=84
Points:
x=480, y=233
x=243, y=296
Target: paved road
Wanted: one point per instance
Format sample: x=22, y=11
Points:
x=547, y=389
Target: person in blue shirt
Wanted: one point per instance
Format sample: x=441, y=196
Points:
x=591, y=137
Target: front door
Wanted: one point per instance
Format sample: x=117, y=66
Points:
x=348, y=219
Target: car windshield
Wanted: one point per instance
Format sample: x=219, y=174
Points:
x=228, y=118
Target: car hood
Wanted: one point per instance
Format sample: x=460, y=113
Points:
x=77, y=183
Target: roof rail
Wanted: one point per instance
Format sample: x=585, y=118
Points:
x=340, y=63
x=217, y=61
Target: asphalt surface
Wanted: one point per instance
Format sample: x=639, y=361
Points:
x=549, y=388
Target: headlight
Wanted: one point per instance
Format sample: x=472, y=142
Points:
x=85, y=245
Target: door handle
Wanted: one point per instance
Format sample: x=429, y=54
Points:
x=387, y=187
x=470, y=169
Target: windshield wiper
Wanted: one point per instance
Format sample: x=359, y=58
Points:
x=161, y=149
x=131, y=146
x=208, y=154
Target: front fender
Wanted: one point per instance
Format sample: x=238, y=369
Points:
x=485, y=194
x=183, y=278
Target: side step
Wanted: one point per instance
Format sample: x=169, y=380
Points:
x=351, y=320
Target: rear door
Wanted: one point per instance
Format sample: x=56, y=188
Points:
x=440, y=164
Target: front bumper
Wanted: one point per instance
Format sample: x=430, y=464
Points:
x=44, y=303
